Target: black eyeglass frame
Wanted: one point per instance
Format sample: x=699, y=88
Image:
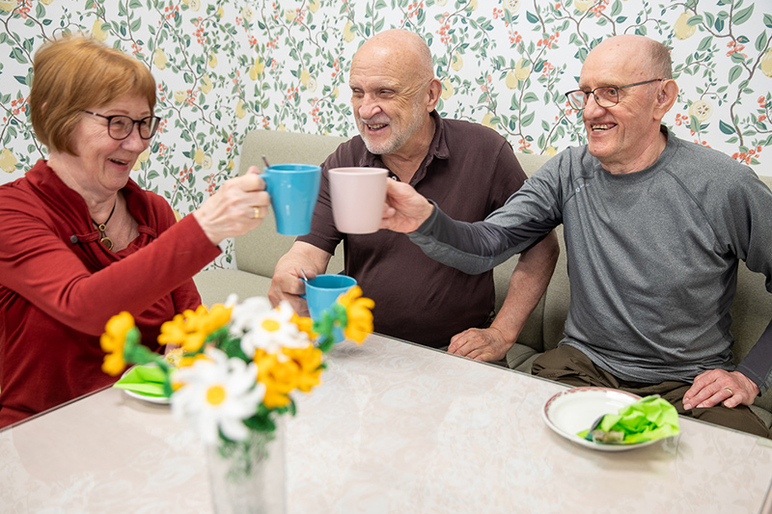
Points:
x=586, y=94
x=152, y=128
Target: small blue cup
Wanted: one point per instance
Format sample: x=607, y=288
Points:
x=293, y=189
x=321, y=293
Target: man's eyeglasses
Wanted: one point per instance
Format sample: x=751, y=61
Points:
x=605, y=96
x=119, y=127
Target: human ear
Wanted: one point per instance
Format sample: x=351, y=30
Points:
x=434, y=92
x=666, y=96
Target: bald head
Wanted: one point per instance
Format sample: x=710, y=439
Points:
x=400, y=50
x=651, y=57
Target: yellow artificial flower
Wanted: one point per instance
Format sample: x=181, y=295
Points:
x=278, y=378
x=185, y=362
x=191, y=328
x=248, y=14
x=304, y=325
x=294, y=368
x=7, y=161
x=309, y=363
x=313, y=5
x=113, y=341
x=359, y=314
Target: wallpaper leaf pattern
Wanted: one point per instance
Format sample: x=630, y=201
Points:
x=225, y=67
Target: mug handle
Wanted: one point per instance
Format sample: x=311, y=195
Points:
x=266, y=178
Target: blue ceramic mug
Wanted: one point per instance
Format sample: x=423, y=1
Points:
x=321, y=293
x=293, y=189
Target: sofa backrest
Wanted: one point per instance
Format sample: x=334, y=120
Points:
x=259, y=250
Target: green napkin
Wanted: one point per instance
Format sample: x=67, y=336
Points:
x=648, y=419
x=145, y=380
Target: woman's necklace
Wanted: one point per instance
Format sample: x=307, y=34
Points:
x=101, y=227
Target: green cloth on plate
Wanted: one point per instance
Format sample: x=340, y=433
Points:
x=648, y=419
x=145, y=380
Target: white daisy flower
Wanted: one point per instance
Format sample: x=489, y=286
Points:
x=271, y=331
x=245, y=314
x=218, y=394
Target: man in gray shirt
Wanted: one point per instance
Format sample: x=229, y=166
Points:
x=654, y=230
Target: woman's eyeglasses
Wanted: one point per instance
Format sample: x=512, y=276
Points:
x=119, y=127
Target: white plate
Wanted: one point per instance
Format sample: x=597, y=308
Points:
x=574, y=410
x=161, y=400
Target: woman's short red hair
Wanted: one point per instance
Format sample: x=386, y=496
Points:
x=74, y=73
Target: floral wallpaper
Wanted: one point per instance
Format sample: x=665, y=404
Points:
x=225, y=67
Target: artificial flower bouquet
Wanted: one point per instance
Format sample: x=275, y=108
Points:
x=238, y=363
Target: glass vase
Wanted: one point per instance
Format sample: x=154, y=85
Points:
x=248, y=477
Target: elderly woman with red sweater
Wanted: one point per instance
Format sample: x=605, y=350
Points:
x=80, y=241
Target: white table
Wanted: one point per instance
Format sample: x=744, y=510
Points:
x=394, y=428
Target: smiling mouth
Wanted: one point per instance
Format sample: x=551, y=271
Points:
x=601, y=127
x=119, y=162
x=376, y=126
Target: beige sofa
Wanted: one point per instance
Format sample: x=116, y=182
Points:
x=257, y=253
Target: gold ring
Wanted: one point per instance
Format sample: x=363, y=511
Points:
x=256, y=213
x=731, y=393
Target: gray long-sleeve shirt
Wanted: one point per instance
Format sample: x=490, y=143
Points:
x=652, y=256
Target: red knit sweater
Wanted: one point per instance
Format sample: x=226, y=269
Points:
x=59, y=286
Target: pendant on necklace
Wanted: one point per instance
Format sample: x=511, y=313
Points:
x=102, y=227
x=107, y=242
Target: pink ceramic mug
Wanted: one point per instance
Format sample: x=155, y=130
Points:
x=358, y=195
